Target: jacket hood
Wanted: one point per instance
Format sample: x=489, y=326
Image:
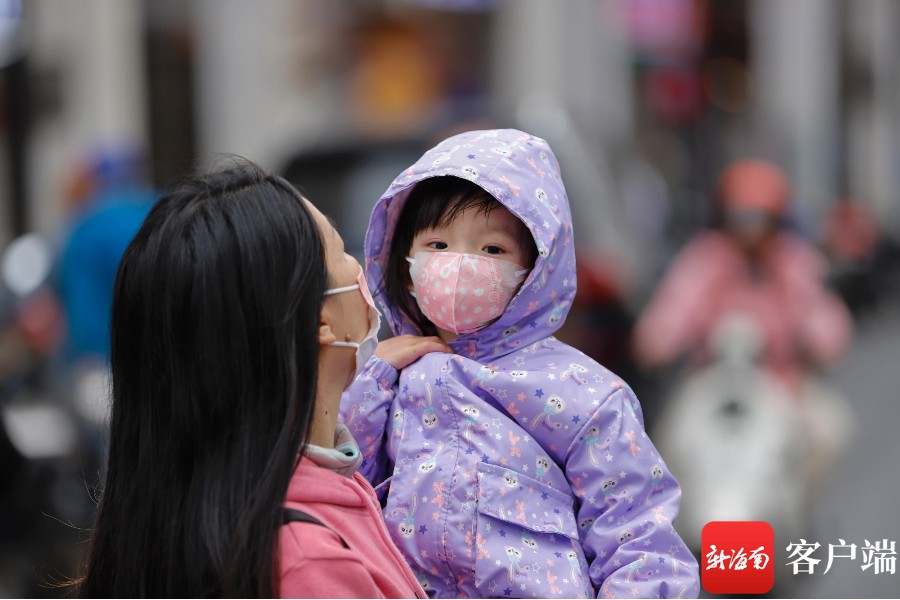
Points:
x=521, y=172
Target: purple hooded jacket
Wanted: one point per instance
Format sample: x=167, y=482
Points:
x=516, y=467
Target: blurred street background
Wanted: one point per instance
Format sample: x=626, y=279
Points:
x=645, y=102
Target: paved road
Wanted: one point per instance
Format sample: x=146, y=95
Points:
x=862, y=498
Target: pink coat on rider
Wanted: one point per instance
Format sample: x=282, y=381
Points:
x=802, y=324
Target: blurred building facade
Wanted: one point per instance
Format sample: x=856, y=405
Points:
x=644, y=101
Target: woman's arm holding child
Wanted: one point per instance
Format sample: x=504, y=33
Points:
x=627, y=503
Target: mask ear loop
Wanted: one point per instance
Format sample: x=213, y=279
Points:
x=340, y=290
x=348, y=288
x=346, y=344
x=412, y=261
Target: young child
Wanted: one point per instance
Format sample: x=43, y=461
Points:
x=517, y=466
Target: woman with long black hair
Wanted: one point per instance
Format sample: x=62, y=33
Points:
x=237, y=322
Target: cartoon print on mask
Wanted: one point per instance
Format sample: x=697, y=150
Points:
x=552, y=407
x=406, y=511
x=542, y=465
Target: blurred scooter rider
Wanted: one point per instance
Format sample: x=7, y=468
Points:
x=751, y=265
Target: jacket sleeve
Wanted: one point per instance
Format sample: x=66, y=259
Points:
x=677, y=316
x=627, y=501
x=365, y=409
x=822, y=324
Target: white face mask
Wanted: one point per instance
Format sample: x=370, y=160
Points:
x=366, y=348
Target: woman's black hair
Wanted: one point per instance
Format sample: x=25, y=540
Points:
x=432, y=203
x=214, y=358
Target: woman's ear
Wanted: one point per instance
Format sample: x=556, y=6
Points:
x=326, y=335
x=328, y=315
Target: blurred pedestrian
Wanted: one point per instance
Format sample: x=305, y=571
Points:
x=107, y=201
x=752, y=267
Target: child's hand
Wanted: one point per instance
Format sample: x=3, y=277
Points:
x=402, y=350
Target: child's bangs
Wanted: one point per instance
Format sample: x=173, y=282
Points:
x=441, y=200
x=483, y=203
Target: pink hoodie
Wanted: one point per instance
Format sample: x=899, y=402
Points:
x=314, y=563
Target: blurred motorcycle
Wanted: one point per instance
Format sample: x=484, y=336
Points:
x=735, y=438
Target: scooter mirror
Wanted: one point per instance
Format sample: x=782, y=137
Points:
x=26, y=264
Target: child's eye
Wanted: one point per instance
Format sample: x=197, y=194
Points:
x=438, y=245
x=493, y=249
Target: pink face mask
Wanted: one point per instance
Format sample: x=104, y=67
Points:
x=463, y=292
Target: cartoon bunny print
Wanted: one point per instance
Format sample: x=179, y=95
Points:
x=575, y=371
x=429, y=415
x=554, y=406
x=406, y=511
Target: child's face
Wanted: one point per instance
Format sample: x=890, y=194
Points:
x=493, y=234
